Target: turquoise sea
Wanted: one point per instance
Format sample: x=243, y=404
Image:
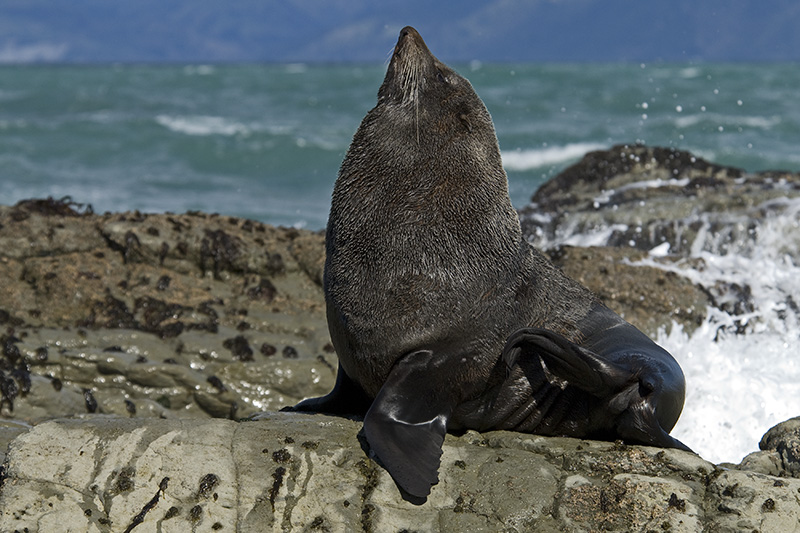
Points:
x=266, y=141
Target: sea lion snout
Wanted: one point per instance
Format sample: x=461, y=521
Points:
x=411, y=43
x=410, y=33
x=410, y=65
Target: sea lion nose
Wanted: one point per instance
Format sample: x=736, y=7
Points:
x=408, y=31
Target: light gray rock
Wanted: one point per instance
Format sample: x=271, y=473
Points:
x=294, y=472
x=780, y=455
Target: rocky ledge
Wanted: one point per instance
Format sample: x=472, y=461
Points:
x=290, y=472
x=137, y=351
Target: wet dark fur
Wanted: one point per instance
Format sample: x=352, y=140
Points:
x=428, y=278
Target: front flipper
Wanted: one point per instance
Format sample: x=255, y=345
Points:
x=580, y=367
x=346, y=398
x=407, y=422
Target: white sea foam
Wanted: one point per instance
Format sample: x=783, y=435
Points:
x=737, y=386
x=596, y=237
x=606, y=196
x=296, y=68
x=689, y=72
x=521, y=160
x=759, y=122
x=661, y=250
x=655, y=184
x=199, y=70
x=741, y=384
x=202, y=125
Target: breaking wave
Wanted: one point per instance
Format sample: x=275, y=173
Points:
x=202, y=125
x=521, y=160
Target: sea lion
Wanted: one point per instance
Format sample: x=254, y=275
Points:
x=443, y=316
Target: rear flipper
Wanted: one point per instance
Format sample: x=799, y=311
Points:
x=639, y=424
x=577, y=365
x=407, y=422
x=346, y=398
x=629, y=389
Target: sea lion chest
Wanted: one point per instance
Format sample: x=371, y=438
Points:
x=405, y=273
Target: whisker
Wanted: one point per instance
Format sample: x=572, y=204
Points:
x=416, y=117
x=410, y=80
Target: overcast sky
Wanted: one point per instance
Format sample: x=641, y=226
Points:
x=365, y=30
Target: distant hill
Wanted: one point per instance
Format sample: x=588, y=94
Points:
x=361, y=30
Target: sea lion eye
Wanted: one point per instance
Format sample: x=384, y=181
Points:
x=440, y=76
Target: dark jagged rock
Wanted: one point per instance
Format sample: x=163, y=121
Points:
x=642, y=197
x=602, y=171
x=780, y=451
x=168, y=291
x=621, y=204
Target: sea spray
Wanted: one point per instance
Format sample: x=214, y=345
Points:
x=541, y=158
x=738, y=386
x=741, y=364
x=742, y=368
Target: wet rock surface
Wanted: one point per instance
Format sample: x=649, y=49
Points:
x=157, y=334
x=166, y=316
x=780, y=451
x=643, y=197
x=649, y=297
x=636, y=203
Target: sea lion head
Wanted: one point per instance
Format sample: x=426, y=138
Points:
x=423, y=93
x=426, y=158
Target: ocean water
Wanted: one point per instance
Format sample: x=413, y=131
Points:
x=265, y=142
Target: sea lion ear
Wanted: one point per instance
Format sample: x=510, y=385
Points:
x=407, y=422
x=464, y=118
